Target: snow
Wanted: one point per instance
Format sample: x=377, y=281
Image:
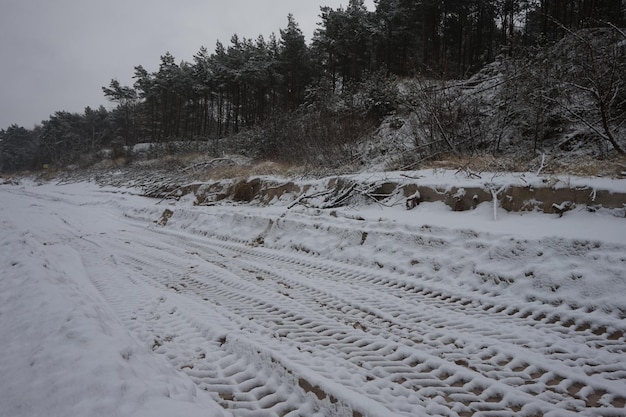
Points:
x=575, y=225
x=464, y=178
x=64, y=350
x=233, y=309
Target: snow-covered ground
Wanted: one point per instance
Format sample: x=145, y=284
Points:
x=112, y=306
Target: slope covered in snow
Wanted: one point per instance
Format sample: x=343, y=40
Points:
x=116, y=304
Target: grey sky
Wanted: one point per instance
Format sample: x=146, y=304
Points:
x=56, y=55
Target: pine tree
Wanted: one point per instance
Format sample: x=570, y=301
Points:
x=17, y=149
x=294, y=63
x=126, y=98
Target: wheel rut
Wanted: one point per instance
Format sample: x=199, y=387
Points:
x=281, y=333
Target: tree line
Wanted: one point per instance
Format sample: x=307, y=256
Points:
x=283, y=88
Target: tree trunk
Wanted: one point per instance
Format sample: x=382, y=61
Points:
x=607, y=128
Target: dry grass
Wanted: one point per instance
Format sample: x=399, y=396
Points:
x=230, y=171
x=611, y=167
x=583, y=166
x=199, y=168
x=206, y=169
x=478, y=163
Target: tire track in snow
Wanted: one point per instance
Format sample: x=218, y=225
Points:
x=546, y=318
x=532, y=377
x=212, y=348
x=281, y=333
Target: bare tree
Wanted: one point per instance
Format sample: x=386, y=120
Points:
x=594, y=71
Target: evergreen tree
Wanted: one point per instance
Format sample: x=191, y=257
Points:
x=97, y=126
x=64, y=137
x=17, y=149
x=126, y=98
x=293, y=63
x=204, y=86
x=167, y=87
x=345, y=40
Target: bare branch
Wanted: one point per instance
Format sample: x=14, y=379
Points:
x=577, y=116
x=618, y=30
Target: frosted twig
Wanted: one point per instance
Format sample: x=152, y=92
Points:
x=494, y=197
x=543, y=161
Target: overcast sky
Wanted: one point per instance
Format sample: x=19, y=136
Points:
x=56, y=55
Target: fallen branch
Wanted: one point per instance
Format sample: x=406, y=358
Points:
x=307, y=196
x=339, y=200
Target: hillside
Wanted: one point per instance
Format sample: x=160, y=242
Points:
x=559, y=107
